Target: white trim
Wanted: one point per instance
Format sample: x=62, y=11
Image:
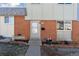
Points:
x=63, y=32
x=37, y=28
x=64, y=25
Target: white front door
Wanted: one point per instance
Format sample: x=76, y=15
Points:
x=35, y=30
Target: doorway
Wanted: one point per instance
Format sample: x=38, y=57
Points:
x=35, y=30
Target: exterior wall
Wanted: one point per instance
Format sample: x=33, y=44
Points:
x=68, y=11
x=75, y=24
x=22, y=26
x=64, y=11
x=59, y=11
x=48, y=11
x=64, y=29
x=60, y=35
x=75, y=31
x=40, y=11
x=7, y=29
x=78, y=11
x=64, y=35
x=75, y=11
x=51, y=11
x=50, y=29
x=34, y=11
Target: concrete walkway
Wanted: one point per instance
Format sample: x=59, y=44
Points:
x=34, y=48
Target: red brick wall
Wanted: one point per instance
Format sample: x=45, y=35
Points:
x=50, y=29
x=21, y=26
x=75, y=31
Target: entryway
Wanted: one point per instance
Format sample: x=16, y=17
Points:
x=35, y=33
x=35, y=41
x=35, y=30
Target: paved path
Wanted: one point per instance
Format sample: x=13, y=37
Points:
x=34, y=48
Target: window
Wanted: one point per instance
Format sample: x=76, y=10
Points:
x=6, y=19
x=60, y=25
x=9, y=19
x=67, y=25
x=34, y=27
x=64, y=25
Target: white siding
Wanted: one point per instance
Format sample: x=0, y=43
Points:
x=48, y=11
x=7, y=29
x=11, y=26
x=75, y=11
x=29, y=12
x=64, y=36
x=68, y=11
x=67, y=36
x=10, y=30
x=33, y=11
x=43, y=11
x=2, y=26
x=59, y=11
x=60, y=35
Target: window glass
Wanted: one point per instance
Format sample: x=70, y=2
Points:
x=64, y=25
x=6, y=19
x=34, y=27
x=11, y=19
x=60, y=25
x=67, y=25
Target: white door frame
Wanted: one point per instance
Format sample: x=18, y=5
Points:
x=37, y=35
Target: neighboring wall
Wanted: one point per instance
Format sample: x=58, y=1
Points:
x=75, y=26
x=75, y=31
x=50, y=29
x=7, y=29
x=22, y=26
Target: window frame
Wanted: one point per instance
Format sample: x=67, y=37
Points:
x=64, y=25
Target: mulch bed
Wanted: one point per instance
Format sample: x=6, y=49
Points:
x=13, y=49
x=61, y=50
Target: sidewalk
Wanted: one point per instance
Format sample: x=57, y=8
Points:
x=34, y=48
